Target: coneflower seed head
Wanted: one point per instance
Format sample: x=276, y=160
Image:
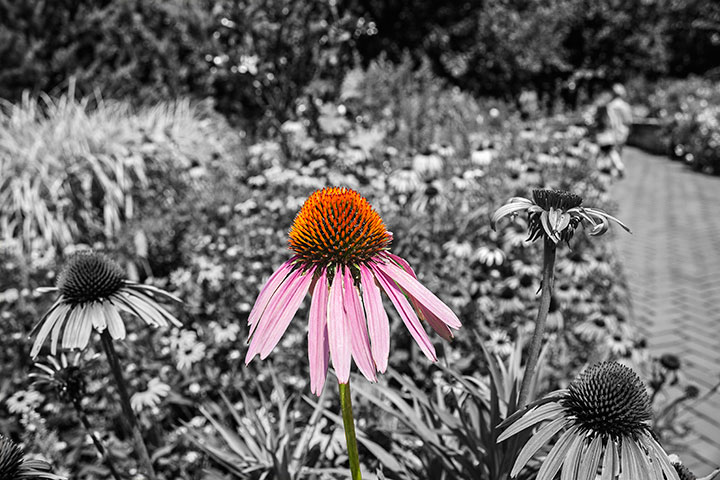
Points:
x=683, y=472
x=11, y=458
x=558, y=199
x=338, y=226
x=89, y=276
x=609, y=398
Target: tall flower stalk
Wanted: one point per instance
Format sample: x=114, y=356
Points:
x=548, y=280
x=93, y=292
x=553, y=216
x=342, y=258
x=66, y=377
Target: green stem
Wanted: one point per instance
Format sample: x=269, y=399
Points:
x=140, y=447
x=545, y=297
x=349, y=424
x=96, y=441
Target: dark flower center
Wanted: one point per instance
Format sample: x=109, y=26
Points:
x=71, y=383
x=558, y=199
x=670, y=361
x=11, y=458
x=88, y=277
x=609, y=398
x=683, y=472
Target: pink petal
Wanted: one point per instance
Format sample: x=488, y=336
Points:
x=377, y=320
x=318, y=347
x=267, y=292
x=339, y=330
x=278, y=314
x=358, y=328
x=406, y=312
x=424, y=314
x=416, y=290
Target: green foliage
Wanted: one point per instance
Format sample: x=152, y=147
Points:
x=451, y=432
x=125, y=49
x=265, y=441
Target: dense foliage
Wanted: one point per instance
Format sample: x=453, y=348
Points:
x=256, y=58
x=689, y=111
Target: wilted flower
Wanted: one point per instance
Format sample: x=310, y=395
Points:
x=156, y=391
x=14, y=466
x=556, y=214
x=93, y=291
x=604, y=414
x=342, y=257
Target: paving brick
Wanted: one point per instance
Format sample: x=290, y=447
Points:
x=672, y=264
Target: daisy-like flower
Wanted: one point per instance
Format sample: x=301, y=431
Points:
x=14, y=465
x=23, y=401
x=342, y=258
x=489, y=256
x=150, y=397
x=603, y=417
x=597, y=327
x=499, y=343
x=576, y=265
x=405, y=181
x=188, y=350
x=556, y=214
x=93, y=291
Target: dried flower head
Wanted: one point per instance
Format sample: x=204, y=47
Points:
x=556, y=215
x=604, y=417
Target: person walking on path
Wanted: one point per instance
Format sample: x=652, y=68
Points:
x=613, y=120
x=620, y=115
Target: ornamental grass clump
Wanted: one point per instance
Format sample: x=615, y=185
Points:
x=342, y=257
x=93, y=293
x=604, y=418
x=553, y=215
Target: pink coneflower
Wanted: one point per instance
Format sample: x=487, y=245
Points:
x=342, y=258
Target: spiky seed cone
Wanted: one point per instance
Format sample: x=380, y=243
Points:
x=89, y=276
x=683, y=472
x=610, y=399
x=558, y=199
x=11, y=458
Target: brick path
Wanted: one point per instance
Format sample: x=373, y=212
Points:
x=672, y=264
